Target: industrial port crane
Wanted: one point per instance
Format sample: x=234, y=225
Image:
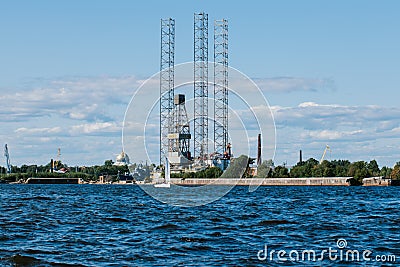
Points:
x=7, y=155
x=323, y=155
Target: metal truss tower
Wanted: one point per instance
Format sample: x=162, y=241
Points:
x=201, y=86
x=220, y=86
x=166, y=82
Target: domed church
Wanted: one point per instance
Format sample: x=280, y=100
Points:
x=122, y=159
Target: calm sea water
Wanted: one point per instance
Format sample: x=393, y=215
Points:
x=110, y=225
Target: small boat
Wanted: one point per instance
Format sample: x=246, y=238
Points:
x=165, y=185
x=167, y=180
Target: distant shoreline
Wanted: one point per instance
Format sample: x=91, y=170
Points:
x=312, y=181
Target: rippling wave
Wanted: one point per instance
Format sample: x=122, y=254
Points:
x=111, y=225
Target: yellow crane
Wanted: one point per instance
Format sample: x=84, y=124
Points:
x=323, y=155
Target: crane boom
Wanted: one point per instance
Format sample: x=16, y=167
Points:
x=7, y=155
x=323, y=155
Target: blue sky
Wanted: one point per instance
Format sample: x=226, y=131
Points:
x=329, y=69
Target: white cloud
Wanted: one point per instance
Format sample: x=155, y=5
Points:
x=95, y=128
x=331, y=135
x=291, y=84
x=353, y=132
x=311, y=116
x=24, y=130
x=77, y=114
x=79, y=98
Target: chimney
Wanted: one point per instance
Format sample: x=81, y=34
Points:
x=301, y=156
x=259, y=151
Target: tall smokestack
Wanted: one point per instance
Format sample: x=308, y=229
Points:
x=301, y=156
x=259, y=150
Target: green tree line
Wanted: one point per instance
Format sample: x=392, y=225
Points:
x=211, y=172
x=85, y=172
x=335, y=168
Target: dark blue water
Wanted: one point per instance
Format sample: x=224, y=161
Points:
x=110, y=225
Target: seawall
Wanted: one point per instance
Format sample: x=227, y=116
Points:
x=377, y=181
x=314, y=181
x=54, y=180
